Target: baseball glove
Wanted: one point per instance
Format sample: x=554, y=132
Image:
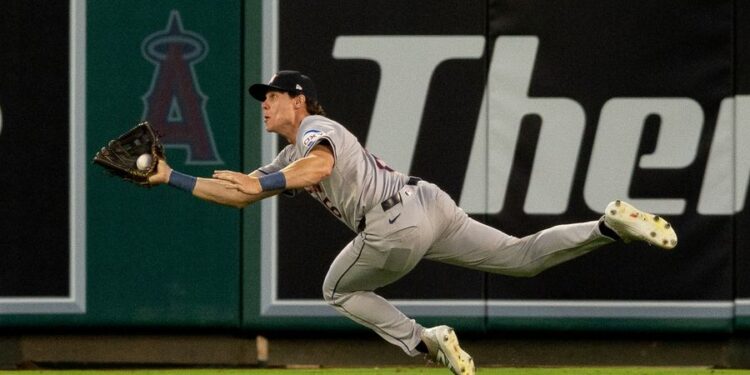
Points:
x=119, y=157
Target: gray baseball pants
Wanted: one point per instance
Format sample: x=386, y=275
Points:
x=428, y=224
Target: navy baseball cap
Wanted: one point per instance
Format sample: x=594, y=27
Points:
x=286, y=80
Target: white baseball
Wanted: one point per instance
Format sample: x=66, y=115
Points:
x=143, y=162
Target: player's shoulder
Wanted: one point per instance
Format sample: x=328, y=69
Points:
x=315, y=126
x=319, y=122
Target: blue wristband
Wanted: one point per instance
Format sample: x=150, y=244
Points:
x=182, y=181
x=273, y=181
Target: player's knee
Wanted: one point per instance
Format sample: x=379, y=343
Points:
x=333, y=297
x=328, y=294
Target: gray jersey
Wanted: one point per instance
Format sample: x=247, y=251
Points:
x=359, y=180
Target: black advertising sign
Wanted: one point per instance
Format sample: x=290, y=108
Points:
x=531, y=116
x=735, y=139
x=35, y=135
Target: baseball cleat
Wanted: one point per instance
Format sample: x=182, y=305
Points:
x=443, y=345
x=631, y=223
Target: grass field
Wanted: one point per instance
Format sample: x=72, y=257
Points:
x=402, y=371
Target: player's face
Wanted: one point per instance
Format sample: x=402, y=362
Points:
x=278, y=111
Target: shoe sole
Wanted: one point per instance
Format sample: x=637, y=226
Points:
x=459, y=362
x=640, y=225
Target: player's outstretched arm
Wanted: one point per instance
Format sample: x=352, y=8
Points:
x=312, y=169
x=214, y=190
x=208, y=189
x=307, y=171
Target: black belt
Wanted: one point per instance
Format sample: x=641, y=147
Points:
x=390, y=202
x=396, y=198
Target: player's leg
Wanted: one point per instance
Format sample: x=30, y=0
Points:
x=348, y=287
x=468, y=243
x=478, y=246
x=361, y=268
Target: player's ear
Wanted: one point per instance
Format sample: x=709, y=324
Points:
x=300, y=101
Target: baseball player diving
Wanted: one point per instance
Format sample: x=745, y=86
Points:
x=398, y=220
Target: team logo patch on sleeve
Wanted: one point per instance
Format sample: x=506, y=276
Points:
x=310, y=136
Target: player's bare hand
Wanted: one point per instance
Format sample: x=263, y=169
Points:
x=163, y=171
x=238, y=181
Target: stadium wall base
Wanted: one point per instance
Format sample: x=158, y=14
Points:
x=219, y=350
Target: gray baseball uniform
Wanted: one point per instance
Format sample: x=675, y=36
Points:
x=401, y=220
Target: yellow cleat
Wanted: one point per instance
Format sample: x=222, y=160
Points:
x=631, y=223
x=443, y=345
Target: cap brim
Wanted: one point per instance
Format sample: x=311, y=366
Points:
x=259, y=91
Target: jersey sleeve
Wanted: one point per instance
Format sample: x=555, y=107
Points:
x=281, y=160
x=313, y=131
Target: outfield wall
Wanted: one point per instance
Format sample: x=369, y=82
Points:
x=529, y=114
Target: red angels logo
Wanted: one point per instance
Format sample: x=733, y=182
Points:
x=174, y=104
